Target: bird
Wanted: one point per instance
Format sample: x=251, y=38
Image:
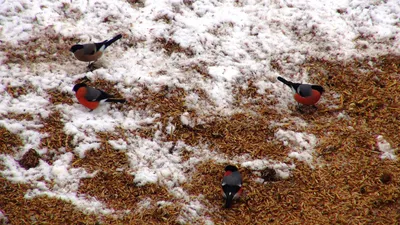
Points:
x=306, y=94
x=91, y=97
x=231, y=185
x=91, y=52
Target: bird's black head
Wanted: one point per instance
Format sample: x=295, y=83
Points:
x=77, y=86
x=231, y=168
x=75, y=48
x=319, y=88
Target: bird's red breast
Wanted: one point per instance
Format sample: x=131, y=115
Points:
x=310, y=100
x=80, y=95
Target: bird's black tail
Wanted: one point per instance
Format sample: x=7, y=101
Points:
x=288, y=83
x=114, y=39
x=119, y=100
x=228, y=200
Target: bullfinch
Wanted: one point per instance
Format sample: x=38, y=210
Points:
x=306, y=94
x=92, y=51
x=91, y=97
x=231, y=185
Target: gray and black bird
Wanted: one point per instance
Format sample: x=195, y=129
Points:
x=91, y=52
x=231, y=185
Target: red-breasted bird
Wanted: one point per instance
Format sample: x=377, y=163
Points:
x=91, y=97
x=231, y=185
x=92, y=51
x=306, y=94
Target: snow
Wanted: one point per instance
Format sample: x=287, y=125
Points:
x=27, y=131
x=302, y=144
x=3, y=218
x=119, y=144
x=57, y=180
x=144, y=204
x=282, y=169
x=152, y=162
x=185, y=119
x=232, y=41
x=191, y=212
x=30, y=103
x=387, y=151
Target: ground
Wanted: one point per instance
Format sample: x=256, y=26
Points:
x=159, y=158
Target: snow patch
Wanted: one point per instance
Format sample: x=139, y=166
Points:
x=302, y=144
x=387, y=151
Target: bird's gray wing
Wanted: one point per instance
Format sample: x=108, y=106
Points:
x=304, y=90
x=89, y=49
x=92, y=94
x=233, y=179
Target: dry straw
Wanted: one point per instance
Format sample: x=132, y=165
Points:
x=350, y=184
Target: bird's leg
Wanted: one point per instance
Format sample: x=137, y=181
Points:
x=91, y=66
x=299, y=108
